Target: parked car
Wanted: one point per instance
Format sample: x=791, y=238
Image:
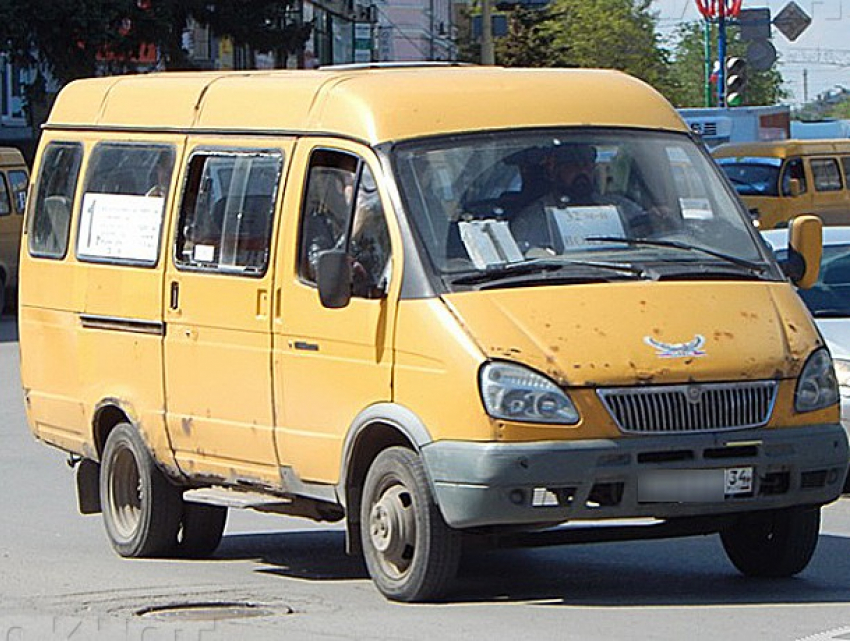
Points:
x=829, y=302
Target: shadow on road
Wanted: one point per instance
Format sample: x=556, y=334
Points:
x=676, y=572
x=8, y=329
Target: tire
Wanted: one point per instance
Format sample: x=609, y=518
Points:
x=141, y=508
x=201, y=529
x=410, y=552
x=778, y=543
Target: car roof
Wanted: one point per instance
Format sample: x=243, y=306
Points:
x=832, y=235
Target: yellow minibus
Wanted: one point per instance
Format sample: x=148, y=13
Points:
x=14, y=179
x=443, y=303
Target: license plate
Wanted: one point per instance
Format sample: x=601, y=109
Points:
x=738, y=480
x=694, y=486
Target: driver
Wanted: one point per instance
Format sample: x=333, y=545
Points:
x=570, y=171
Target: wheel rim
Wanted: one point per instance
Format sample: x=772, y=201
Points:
x=125, y=493
x=392, y=530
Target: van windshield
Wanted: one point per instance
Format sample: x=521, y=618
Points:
x=753, y=176
x=621, y=202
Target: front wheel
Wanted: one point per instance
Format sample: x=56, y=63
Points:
x=411, y=554
x=776, y=543
x=141, y=508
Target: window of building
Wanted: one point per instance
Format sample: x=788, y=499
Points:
x=227, y=211
x=51, y=216
x=123, y=204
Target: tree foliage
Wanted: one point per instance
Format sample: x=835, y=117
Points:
x=612, y=34
x=688, y=69
x=67, y=39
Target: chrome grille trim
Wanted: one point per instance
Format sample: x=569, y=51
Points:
x=711, y=407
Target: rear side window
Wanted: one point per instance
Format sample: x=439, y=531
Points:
x=124, y=203
x=825, y=174
x=51, y=216
x=5, y=201
x=227, y=212
x=18, y=181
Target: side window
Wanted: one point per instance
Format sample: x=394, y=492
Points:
x=50, y=217
x=826, y=175
x=845, y=162
x=227, y=211
x=342, y=210
x=5, y=201
x=793, y=169
x=124, y=203
x=19, y=183
x=326, y=209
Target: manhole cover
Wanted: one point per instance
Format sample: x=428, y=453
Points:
x=209, y=611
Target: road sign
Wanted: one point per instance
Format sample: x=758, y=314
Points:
x=761, y=55
x=754, y=24
x=792, y=21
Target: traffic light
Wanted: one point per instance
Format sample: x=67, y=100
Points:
x=736, y=80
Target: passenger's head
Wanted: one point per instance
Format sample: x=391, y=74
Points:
x=571, y=168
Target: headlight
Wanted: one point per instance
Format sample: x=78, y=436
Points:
x=817, y=387
x=516, y=393
x=842, y=373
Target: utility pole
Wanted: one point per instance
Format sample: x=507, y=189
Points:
x=805, y=86
x=488, y=57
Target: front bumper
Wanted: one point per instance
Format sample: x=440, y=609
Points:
x=492, y=484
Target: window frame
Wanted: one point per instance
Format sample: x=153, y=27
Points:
x=228, y=152
x=79, y=148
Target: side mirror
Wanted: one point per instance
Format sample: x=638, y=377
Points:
x=794, y=187
x=805, y=246
x=333, y=277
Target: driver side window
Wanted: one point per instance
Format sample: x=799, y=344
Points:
x=342, y=210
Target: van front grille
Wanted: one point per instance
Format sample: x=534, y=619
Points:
x=690, y=408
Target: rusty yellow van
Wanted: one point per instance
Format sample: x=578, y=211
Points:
x=14, y=180
x=782, y=179
x=438, y=302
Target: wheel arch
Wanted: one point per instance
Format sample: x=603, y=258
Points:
x=375, y=429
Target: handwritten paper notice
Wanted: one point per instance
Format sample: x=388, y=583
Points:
x=575, y=224
x=120, y=227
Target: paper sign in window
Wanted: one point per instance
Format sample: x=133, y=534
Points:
x=489, y=242
x=576, y=224
x=696, y=209
x=120, y=227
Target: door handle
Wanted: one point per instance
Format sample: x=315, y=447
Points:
x=174, y=302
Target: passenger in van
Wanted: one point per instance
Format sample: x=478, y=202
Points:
x=570, y=172
x=160, y=177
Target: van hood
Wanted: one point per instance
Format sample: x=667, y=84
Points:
x=621, y=334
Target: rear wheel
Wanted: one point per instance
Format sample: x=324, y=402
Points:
x=776, y=543
x=411, y=554
x=141, y=508
x=201, y=529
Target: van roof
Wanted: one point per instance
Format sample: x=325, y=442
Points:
x=783, y=148
x=11, y=157
x=373, y=105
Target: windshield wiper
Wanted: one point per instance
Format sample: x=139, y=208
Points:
x=674, y=244
x=508, y=270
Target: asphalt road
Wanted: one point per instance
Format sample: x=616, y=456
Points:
x=284, y=578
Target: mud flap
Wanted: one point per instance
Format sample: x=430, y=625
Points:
x=88, y=487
